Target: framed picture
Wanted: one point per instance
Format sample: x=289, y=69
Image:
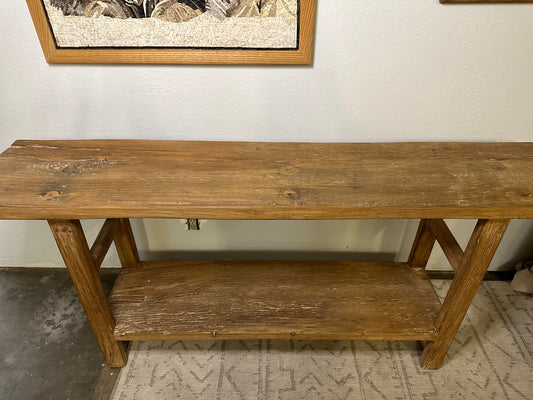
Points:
x=175, y=31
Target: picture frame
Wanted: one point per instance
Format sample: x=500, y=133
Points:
x=283, y=41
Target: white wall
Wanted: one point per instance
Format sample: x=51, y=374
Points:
x=383, y=71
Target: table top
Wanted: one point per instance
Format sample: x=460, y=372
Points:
x=80, y=179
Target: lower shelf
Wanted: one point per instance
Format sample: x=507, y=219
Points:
x=273, y=300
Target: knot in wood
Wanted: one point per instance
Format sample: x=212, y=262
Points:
x=51, y=194
x=290, y=194
x=499, y=168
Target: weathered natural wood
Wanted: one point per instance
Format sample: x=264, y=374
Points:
x=225, y=180
x=103, y=240
x=452, y=250
x=274, y=299
x=475, y=261
x=125, y=244
x=55, y=54
x=422, y=245
x=66, y=180
x=80, y=264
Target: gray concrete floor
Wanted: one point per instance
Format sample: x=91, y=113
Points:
x=47, y=348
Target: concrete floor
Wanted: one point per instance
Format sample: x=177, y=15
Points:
x=47, y=348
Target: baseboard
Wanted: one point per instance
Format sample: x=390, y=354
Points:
x=432, y=274
x=489, y=276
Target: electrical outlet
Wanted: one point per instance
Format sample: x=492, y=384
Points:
x=193, y=224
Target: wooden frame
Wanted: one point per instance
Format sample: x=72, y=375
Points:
x=300, y=54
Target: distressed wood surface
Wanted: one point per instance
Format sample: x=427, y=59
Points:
x=236, y=180
x=273, y=299
x=422, y=245
x=103, y=241
x=468, y=276
x=80, y=264
x=125, y=244
x=452, y=250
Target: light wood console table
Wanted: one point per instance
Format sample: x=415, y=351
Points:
x=65, y=181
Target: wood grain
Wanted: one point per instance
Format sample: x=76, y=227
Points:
x=103, y=240
x=474, y=263
x=247, y=180
x=80, y=264
x=125, y=244
x=44, y=33
x=54, y=54
x=273, y=299
x=422, y=245
x=452, y=250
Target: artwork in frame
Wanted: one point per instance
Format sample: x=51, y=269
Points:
x=175, y=31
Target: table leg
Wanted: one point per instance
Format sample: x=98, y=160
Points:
x=468, y=276
x=125, y=244
x=80, y=264
x=422, y=246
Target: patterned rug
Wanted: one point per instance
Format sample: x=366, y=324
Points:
x=491, y=358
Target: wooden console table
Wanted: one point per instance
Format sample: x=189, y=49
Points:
x=65, y=181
